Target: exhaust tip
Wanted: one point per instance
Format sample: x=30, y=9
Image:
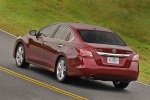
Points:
x=91, y=78
x=129, y=80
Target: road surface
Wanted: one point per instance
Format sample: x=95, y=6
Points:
x=35, y=83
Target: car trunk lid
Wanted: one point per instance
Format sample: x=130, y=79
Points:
x=111, y=55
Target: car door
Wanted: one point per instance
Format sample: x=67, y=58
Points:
x=35, y=49
x=55, y=45
x=38, y=45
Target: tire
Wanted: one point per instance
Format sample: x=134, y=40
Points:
x=20, y=57
x=61, y=70
x=120, y=85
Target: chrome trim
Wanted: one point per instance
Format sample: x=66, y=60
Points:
x=113, y=55
x=72, y=38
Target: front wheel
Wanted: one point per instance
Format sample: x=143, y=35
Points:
x=20, y=57
x=61, y=70
x=120, y=85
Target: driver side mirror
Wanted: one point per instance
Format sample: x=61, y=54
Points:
x=32, y=32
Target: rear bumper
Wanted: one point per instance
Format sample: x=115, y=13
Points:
x=90, y=68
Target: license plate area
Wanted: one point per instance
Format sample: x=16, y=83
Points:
x=112, y=60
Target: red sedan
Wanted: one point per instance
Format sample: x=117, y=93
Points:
x=75, y=49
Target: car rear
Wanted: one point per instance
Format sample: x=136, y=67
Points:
x=107, y=57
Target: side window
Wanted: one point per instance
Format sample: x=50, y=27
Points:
x=70, y=37
x=62, y=33
x=49, y=30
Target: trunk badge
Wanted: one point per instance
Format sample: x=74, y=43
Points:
x=114, y=51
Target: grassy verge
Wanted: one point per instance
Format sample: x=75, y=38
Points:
x=129, y=18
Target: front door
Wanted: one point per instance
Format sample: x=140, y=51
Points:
x=38, y=44
x=35, y=50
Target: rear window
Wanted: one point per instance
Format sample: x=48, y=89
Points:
x=101, y=37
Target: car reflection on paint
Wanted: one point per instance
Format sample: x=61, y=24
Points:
x=75, y=49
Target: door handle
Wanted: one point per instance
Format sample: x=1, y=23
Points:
x=60, y=45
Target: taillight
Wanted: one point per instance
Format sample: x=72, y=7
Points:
x=86, y=53
x=136, y=58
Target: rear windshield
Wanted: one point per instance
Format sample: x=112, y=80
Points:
x=101, y=37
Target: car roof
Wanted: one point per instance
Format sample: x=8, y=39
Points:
x=82, y=26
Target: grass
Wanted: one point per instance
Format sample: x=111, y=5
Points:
x=129, y=18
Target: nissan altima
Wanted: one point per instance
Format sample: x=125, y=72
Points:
x=82, y=50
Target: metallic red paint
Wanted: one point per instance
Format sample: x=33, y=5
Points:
x=44, y=52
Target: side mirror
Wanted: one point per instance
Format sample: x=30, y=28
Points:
x=32, y=32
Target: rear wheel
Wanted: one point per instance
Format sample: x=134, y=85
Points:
x=120, y=85
x=61, y=70
x=20, y=57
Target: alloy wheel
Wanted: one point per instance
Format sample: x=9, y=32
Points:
x=61, y=70
x=19, y=55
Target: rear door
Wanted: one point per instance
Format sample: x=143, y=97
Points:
x=55, y=45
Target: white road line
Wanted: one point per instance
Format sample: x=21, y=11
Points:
x=8, y=33
x=16, y=36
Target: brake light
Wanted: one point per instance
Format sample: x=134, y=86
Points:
x=136, y=58
x=85, y=53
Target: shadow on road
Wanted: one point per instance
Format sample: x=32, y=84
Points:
x=79, y=82
x=94, y=85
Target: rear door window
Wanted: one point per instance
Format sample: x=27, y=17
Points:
x=62, y=33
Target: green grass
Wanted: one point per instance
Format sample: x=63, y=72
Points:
x=129, y=18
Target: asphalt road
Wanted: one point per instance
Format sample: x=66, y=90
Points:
x=16, y=88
